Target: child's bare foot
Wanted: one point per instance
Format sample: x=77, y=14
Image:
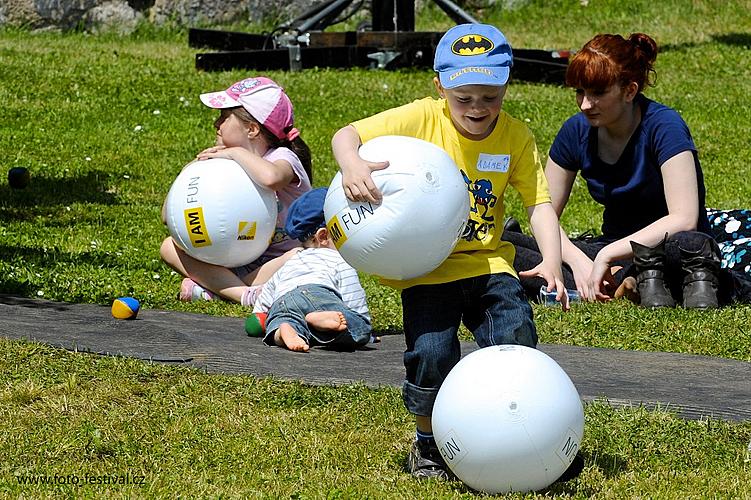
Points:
x=327, y=321
x=286, y=336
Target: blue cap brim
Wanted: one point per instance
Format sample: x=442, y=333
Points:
x=496, y=76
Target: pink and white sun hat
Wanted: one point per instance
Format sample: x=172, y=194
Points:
x=263, y=99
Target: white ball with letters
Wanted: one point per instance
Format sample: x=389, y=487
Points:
x=420, y=219
x=508, y=418
x=217, y=214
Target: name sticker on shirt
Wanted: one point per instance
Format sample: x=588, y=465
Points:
x=493, y=163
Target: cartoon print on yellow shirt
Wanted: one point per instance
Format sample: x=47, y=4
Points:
x=482, y=201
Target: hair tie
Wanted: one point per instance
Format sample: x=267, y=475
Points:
x=293, y=134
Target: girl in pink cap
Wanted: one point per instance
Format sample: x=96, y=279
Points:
x=256, y=130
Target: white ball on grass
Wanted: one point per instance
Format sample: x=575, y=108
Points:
x=508, y=418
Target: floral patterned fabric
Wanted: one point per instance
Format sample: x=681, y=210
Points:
x=732, y=231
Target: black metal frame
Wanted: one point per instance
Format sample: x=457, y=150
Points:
x=390, y=43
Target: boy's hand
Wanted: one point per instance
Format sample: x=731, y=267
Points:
x=554, y=282
x=358, y=183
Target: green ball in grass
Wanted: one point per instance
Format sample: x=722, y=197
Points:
x=255, y=324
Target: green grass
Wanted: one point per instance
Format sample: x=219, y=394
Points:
x=106, y=123
x=236, y=436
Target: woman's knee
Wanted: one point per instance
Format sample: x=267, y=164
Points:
x=690, y=241
x=168, y=251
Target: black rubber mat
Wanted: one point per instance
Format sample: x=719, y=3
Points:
x=693, y=386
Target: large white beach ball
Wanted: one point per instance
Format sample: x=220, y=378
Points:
x=508, y=418
x=416, y=226
x=217, y=214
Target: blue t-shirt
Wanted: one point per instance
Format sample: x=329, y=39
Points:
x=631, y=190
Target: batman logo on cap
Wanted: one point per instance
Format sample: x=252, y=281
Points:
x=471, y=45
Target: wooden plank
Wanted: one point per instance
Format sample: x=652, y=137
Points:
x=278, y=59
x=227, y=40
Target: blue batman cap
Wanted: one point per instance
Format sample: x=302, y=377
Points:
x=473, y=54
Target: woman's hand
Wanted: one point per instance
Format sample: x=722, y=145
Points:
x=601, y=282
x=581, y=268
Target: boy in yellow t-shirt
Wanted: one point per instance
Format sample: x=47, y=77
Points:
x=476, y=284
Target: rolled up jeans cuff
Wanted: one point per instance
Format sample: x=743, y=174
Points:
x=419, y=400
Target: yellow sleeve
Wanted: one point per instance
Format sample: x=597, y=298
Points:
x=528, y=177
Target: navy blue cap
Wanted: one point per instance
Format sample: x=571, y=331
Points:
x=473, y=54
x=305, y=215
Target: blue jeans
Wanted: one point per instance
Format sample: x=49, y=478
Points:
x=293, y=306
x=493, y=307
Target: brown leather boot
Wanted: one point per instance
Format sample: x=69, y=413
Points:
x=701, y=270
x=650, y=277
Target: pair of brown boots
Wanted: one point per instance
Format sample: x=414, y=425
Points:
x=700, y=276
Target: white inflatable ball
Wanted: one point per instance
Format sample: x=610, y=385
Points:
x=508, y=418
x=217, y=214
x=416, y=226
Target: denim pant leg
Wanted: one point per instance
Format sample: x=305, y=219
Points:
x=358, y=329
x=290, y=308
x=499, y=312
x=295, y=305
x=431, y=316
x=494, y=308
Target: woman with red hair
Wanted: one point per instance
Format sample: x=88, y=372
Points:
x=639, y=161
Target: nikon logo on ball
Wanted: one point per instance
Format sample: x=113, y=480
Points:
x=246, y=231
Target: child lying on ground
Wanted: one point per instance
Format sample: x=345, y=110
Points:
x=316, y=297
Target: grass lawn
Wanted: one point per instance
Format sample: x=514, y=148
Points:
x=105, y=124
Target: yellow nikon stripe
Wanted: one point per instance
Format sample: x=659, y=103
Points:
x=194, y=221
x=336, y=232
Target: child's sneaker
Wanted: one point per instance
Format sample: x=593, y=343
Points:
x=425, y=461
x=191, y=291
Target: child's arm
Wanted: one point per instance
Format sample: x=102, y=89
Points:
x=545, y=228
x=356, y=179
x=272, y=175
x=561, y=182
